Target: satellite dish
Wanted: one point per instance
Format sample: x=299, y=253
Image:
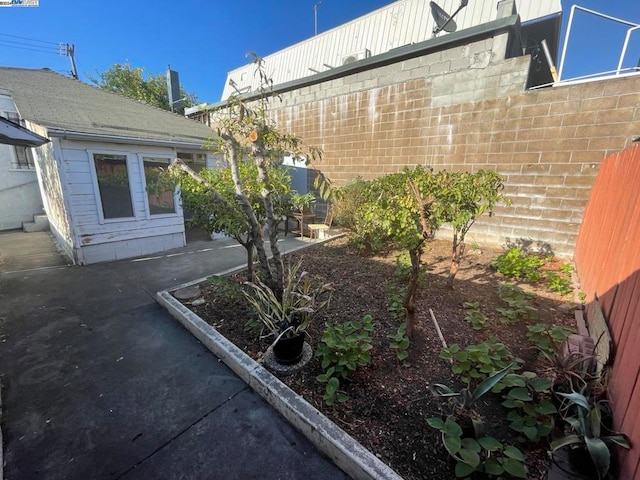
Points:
x=443, y=20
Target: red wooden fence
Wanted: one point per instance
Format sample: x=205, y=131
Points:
x=607, y=257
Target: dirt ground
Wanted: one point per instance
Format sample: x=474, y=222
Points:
x=389, y=403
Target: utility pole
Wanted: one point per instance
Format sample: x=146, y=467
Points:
x=70, y=53
x=315, y=16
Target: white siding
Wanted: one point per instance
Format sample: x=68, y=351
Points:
x=399, y=23
x=19, y=194
x=104, y=240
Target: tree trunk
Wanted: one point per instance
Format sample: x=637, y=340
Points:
x=248, y=246
x=263, y=177
x=245, y=205
x=457, y=253
x=409, y=299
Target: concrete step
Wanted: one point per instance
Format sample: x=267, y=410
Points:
x=40, y=224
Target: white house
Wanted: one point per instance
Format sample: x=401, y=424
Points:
x=97, y=178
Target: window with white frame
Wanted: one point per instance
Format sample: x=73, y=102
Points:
x=112, y=176
x=160, y=195
x=21, y=158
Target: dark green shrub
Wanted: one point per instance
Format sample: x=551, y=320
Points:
x=342, y=349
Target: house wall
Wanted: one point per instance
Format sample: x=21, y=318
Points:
x=466, y=108
x=97, y=240
x=20, y=198
x=50, y=186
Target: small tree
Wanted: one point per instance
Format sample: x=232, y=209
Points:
x=397, y=210
x=228, y=218
x=245, y=131
x=462, y=198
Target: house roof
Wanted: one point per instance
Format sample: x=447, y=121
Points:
x=14, y=134
x=73, y=109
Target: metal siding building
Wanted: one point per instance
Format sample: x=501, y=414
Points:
x=400, y=23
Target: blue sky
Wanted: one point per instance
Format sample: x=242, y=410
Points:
x=204, y=39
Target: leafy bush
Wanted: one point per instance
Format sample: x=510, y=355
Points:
x=400, y=343
x=479, y=361
x=394, y=301
x=519, y=304
x=514, y=263
x=474, y=316
x=484, y=455
x=560, y=282
x=343, y=348
x=527, y=397
x=547, y=338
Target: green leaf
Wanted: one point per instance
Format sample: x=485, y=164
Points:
x=489, y=443
x=541, y=384
x=559, y=443
x=514, y=468
x=545, y=407
x=530, y=432
x=463, y=470
x=451, y=427
x=451, y=442
x=512, y=452
x=492, y=467
x=471, y=444
x=621, y=440
x=577, y=398
x=600, y=455
x=520, y=394
x=436, y=422
x=470, y=457
x=332, y=385
x=488, y=383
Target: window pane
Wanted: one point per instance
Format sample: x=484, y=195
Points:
x=160, y=198
x=23, y=158
x=113, y=181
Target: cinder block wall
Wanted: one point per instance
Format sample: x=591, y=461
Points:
x=466, y=108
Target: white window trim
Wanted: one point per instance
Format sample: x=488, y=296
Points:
x=176, y=193
x=96, y=188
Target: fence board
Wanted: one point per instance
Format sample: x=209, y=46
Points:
x=607, y=258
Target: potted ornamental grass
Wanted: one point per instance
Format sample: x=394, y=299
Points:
x=286, y=317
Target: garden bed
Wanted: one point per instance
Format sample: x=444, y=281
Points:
x=389, y=403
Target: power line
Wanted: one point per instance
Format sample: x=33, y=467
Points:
x=25, y=38
x=31, y=49
x=56, y=48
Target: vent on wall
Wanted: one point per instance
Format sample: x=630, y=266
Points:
x=354, y=57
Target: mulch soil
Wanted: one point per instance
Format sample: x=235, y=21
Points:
x=389, y=403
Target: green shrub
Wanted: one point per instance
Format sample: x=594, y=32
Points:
x=547, y=338
x=342, y=349
x=514, y=263
x=482, y=455
x=519, y=304
x=527, y=397
x=479, y=361
x=473, y=315
x=400, y=343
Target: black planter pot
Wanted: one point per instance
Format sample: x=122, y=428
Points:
x=288, y=351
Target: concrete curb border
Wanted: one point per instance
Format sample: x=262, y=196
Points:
x=330, y=439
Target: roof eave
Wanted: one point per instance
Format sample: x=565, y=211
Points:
x=97, y=137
